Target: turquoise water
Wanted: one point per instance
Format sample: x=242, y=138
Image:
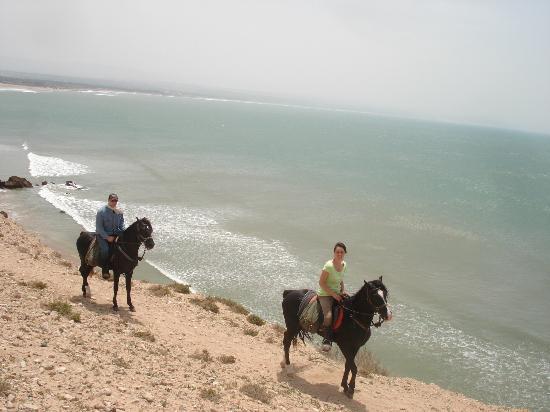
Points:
x=247, y=200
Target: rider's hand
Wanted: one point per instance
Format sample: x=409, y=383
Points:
x=337, y=298
x=110, y=239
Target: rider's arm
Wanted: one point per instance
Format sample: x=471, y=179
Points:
x=100, y=230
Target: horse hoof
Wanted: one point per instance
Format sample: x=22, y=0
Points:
x=115, y=308
x=289, y=369
x=87, y=292
x=132, y=308
x=349, y=394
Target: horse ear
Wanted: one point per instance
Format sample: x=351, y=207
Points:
x=137, y=218
x=380, y=278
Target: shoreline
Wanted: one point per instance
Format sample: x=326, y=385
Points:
x=172, y=369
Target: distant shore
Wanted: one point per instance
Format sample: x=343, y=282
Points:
x=171, y=353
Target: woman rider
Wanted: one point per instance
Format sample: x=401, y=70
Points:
x=331, y=289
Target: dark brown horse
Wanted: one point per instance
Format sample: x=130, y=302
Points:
x=124, y=259
x=354, y=331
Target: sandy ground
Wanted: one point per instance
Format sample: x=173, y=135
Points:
x=170, y=354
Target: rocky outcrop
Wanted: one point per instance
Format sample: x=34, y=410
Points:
x=15, y=182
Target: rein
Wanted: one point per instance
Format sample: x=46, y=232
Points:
x=141, y=240
x=376, y=311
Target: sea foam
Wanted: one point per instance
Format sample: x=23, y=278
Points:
x=53, y=166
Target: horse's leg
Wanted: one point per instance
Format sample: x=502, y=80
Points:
x=129, y=290
x=349, y=388
x=289, y=335
x=85, y=272
x=115, y=290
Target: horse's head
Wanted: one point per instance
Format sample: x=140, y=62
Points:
x=377, y=296
x=144, y=232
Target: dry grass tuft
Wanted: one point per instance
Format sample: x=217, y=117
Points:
x=233, y=306
x=121, y=363
x=257, y=392
x=365, y=361
x=5, y=387
x=203, y=356
x=208, y=303
x=180, y=288
x=38, y=284
x=160, y=290
x=210, y=394
x=277, y=327
x=227, y=359
x=64, y=309
x=250, y=332
x=145, y=335
x=255, y=320
x=367, y=364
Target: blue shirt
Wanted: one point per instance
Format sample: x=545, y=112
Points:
x=109, y=222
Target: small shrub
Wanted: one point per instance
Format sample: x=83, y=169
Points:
x=208, y=303
x=202, y=356
x=38, y=284
x=65, y=263
x=145, y=335
x=367, y=364
x=255, y=320
x=280, y=329
x=210, y=394
x=250, y=332
x=75, y=317
x=233, y=306
x=121, y=363
x=22, y=283
x=63, y=308
x=257, y=392
x=5, y=387
x=270, y=339
x=56, y=254
x=227, y=359
x=159, y=290
x=180, y=288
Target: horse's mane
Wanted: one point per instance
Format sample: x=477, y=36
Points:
x=373, y=284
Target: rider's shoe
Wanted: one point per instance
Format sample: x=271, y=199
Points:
x=327, y=345
x=105, y=273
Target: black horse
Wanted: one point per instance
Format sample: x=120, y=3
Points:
x=354, y=331
x=125, y=256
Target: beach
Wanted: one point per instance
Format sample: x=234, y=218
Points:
x=170, y=354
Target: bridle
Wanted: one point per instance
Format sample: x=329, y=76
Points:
x=376, y=311
x=141, y=240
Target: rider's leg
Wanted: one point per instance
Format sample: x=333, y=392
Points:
x=326, y=305
x=104, y=257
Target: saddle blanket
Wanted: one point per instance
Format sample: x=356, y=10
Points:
x=311, y=314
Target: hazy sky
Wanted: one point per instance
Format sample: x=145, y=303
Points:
x=483, y=62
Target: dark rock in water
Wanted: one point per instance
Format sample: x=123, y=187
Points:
x=44, y=183
x=69, y=183
x=61, y=211
x=4, y=214
x=15, y=182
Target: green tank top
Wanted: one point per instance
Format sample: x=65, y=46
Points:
x=334, y=278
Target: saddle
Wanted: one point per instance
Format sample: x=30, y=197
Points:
x=311, y=314
x=92, y=257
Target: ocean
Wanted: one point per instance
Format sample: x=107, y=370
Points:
x=247, y=198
